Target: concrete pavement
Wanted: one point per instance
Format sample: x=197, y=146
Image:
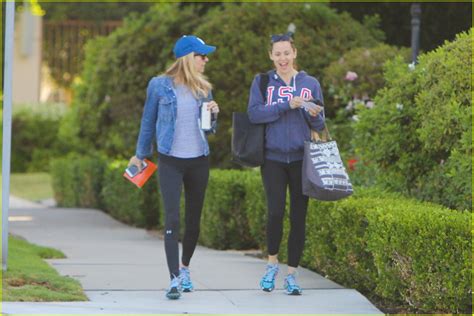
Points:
x=123, y=271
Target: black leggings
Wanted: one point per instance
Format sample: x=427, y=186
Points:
x=277, y=176
x=173, y=173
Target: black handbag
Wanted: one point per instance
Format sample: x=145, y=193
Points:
x=248, y=139
x=324, y=175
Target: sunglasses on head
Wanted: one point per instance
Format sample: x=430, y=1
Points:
x=203, y=56
x=281, y=38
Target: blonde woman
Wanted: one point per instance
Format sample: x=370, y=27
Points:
x=172, y=114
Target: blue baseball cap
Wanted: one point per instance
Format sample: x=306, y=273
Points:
x=191, y=44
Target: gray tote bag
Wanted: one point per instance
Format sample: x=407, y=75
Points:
x=324, y=175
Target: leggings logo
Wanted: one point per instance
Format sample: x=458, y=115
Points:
x=169, y=232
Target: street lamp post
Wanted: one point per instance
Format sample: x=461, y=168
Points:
x=415, y=11
x=7, y=123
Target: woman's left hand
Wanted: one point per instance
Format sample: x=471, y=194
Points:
x=213, y=107
x=315, y=111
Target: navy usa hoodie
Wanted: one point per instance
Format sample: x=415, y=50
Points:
x=286, y=129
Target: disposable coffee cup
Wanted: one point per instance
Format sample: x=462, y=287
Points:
x=205, y=117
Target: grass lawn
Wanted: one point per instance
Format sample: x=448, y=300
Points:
x=29, y=278
x=31, y=186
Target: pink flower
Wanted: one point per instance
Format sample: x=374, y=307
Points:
x=351, y=76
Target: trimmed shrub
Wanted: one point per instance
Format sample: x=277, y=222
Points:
x=337, y=243
x=335, y=240
x=396, y=250
x=417, y=139
x=256, y=206
x=422, y=255
x=34, y=136
x=405, y=252
x=77, y=181
x=127, y=203
x=224, y=221
x=64, y=182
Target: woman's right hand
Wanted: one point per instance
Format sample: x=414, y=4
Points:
x=137, y=162
x=296, y=102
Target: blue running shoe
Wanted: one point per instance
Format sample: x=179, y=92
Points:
x=290, y=285
x=185, y=277
x=174, y=291
x=268, y=281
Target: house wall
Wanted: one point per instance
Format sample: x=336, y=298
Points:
x=27, y=58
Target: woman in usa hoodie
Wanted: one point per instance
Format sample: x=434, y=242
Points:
x=289, y=121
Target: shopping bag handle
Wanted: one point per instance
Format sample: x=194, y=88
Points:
x=315, y=137
x=323, y=138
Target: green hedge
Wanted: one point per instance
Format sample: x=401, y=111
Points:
x=125, y=202
x=422, y=254
x=92, y=182
x=401, y=251
x=77, y=181
x=224, y=220
x=405, y=252
x=34, y=138
x=255, y=206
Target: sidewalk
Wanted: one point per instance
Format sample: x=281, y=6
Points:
x=123, y=271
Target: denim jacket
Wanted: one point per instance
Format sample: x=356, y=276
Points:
x=159, y=118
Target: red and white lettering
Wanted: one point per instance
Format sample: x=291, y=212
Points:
x=306, y=93
x=270, y=90
x=286, y=92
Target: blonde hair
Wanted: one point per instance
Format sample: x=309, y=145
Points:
x=184, y=71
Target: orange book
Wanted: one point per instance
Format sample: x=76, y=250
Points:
x=142, y=177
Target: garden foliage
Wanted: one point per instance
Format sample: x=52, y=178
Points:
x=34, y=139
x=353, y=80
x=417, y=138
x=367, y=64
